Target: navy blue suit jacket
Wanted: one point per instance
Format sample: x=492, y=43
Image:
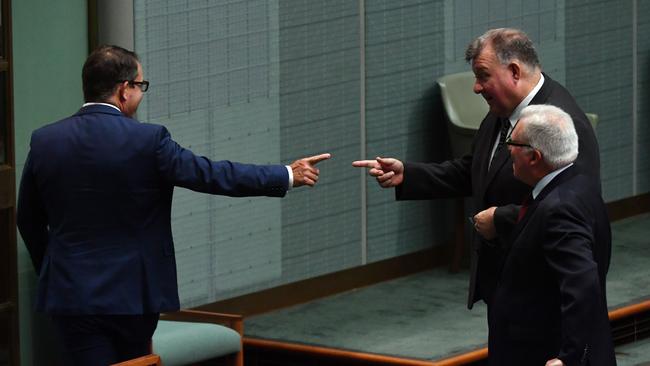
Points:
x=94, y=210
x=550, y=299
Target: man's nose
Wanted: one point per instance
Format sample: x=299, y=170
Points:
x=478, y=88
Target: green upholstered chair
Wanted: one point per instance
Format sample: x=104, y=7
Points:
x=464, y=111
x=188, y=337
x=593, y=118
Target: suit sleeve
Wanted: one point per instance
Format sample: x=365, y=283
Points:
x=183, y=168
x=568, y=252
x=505, y=219
x=31, y=217
x=588, y=161
x=451, y=178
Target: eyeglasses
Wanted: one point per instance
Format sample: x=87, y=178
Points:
x=509, y=142
x=143, y=85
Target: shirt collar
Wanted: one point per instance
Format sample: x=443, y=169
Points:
x=106, y=104
x=546, y=180
x=514, y=117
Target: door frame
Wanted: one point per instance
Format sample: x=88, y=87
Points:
x=9, y=330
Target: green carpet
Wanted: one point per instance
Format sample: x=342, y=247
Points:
x=424, y=315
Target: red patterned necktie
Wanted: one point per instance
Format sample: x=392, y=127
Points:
x=524, y=207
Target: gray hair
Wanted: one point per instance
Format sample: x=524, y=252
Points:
x=508, y=44
x=551, y=131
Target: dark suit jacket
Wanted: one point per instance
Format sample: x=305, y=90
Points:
x=550, y=299
x=94, y=210
x=469, y=175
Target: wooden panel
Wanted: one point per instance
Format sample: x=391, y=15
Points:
x=9, y=345
x=148, y=360
x=5, y=116
x=8, y=350
x=335, y=356
x=7, y=187
x=4, y=336
x=628, y=207
x=329, y=284
x=7, y=256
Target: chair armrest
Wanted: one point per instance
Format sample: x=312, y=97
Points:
x=148, y=360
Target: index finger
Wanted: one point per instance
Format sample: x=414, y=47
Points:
x=365, y=163
x=318, y=158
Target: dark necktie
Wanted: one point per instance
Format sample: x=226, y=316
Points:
x=503, y=133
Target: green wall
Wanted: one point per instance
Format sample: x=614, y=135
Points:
x=50, y=41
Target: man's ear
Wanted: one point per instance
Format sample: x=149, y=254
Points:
x=123, y=91
x=536, y=157
x=515, y=71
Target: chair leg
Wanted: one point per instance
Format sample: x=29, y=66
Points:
x=459, y=237
x=239, y=358
x=236, y=359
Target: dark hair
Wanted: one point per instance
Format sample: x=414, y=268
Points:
x=104, y=69
x=508, y=44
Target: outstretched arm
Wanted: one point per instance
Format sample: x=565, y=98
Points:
x=389, y=172
x=181, y=167
x=304, y=170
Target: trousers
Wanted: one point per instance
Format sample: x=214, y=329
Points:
x=100, y=340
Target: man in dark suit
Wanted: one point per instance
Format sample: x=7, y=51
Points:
x=94, y=210
x=509, y=77
x=550, y=304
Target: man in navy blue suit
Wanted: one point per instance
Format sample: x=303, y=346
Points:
x=550, y=305
x=94, y=211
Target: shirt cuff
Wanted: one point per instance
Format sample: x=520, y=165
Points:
x=290, y=177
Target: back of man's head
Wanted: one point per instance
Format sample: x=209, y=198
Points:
x=551, y=131
x=104, y=69
x=508, y=44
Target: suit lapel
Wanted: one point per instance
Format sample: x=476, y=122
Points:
x=486, y=147
x=500, y=157
x=562, y=177
x=544, y=92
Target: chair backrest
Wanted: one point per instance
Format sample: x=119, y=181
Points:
x=593, y=118
x=464, y=109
